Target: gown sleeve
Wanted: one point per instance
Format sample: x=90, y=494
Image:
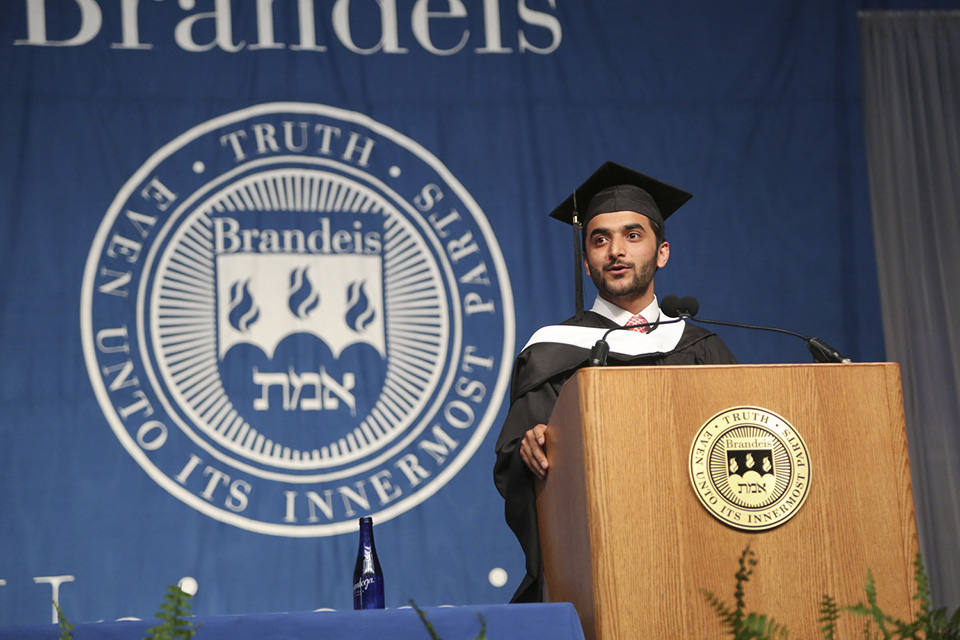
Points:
x=515, y=481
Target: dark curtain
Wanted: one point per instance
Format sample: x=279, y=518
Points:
x=911, y=76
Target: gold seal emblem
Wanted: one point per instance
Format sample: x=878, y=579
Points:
x=750, y=468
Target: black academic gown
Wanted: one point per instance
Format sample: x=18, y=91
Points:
x=538, y=374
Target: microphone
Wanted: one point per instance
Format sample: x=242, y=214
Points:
x=687, y=307
x=599, y=352
x=677, y=308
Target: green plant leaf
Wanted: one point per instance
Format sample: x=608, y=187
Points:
x=829, y=614
x=423, y=619
x=761, y=627
x=66, y=629
x=483, y=628
x=954, y=624
x=175, y=615
x=740, y=624
x=926, y=625
x=726, y=615
x=747, y=562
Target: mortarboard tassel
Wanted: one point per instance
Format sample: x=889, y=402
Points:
x=577, y=262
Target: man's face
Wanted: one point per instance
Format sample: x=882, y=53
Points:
x=622, y=257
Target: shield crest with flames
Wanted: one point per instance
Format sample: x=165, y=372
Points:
x=263, y=298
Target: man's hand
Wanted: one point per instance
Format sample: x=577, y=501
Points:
x=532, y=452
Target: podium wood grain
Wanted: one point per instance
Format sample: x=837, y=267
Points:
x=627, y=541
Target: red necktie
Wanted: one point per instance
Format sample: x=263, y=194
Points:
x=636, y=320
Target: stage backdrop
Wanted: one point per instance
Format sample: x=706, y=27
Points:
x=265, y=265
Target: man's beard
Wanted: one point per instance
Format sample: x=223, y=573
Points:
x=637, y=284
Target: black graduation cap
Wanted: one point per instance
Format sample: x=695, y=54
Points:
x=614, y=187
x=611, y=188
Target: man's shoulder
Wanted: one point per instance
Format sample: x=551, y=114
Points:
x=543, y=361
x=556, y=351
x=695, y=332
x=706, y=346
x=578, y=333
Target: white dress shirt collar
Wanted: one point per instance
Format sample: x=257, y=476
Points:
x=620, y=315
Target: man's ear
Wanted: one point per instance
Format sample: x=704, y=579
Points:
x=586, y=265
x=663, y=254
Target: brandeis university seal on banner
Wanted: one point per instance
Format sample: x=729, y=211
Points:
x=750, y=468
x=294, y=316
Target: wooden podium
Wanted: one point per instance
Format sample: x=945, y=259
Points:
x=627, y=541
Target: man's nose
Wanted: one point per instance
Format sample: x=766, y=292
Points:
x=616, y=247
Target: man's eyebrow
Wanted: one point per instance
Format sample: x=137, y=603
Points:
x=626, y=227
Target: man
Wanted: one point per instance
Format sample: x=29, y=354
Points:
x=622, y=213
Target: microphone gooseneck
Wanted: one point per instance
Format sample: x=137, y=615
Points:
x=687, y=307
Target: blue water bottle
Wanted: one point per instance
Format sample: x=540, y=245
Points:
x=367, y=576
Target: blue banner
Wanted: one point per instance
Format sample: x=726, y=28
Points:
x=266, y=265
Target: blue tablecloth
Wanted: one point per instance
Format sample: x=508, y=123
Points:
x=557, y=621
